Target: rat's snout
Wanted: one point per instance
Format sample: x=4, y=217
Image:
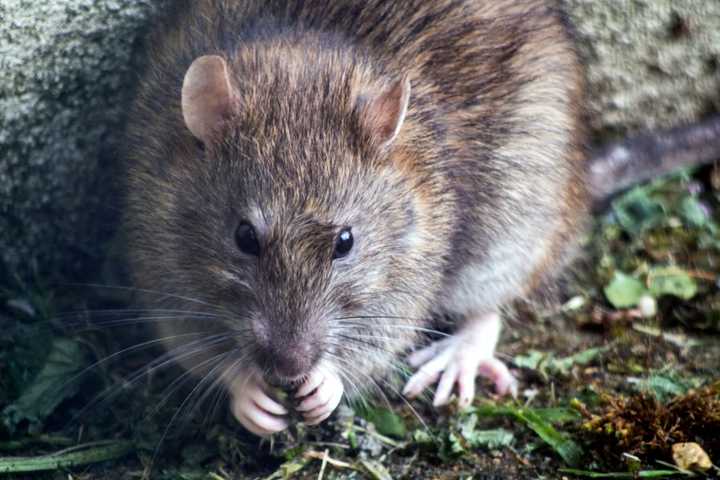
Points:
x=285, y=356
x=287, y=362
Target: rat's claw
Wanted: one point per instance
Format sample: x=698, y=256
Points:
x=427, y=374
x=458, y=360
x=322, y=393
x=498, y=373
x=254, y=409
x=310, y=384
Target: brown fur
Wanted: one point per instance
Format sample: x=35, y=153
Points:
x=479, y=197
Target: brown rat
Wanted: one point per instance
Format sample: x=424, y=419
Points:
x=319, y=179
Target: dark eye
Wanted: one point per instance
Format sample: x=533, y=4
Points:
x=246, y=239
x=343, y=243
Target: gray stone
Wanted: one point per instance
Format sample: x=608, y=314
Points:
x=66, y=71
x=651, y=63
x=65, y=67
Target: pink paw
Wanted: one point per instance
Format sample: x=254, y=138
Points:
x=254, y=408
x=458, y=360
x=319, y=396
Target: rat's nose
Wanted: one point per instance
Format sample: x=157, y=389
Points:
x=287, y=362
x=283, y=352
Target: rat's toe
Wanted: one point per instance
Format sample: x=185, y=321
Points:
x=466, y=387
x=424, y=355
x=317, y=415
x=446, y=385
x=257, y=420
x=317, y=399
x=498, y=373
x=428, y=373
x=266, y=403
x=255, y=410
x=323, y=400
x=312, y=382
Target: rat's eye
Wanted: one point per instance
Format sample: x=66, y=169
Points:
x=343, y=243
x=246, y=239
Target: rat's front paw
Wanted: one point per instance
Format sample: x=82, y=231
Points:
x=254, y=408
x=319, y=396
x=458, y=360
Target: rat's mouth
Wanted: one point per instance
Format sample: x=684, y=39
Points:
x=285, y=382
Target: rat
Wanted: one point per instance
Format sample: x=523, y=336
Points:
x=313, y=182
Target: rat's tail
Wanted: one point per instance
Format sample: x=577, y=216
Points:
x=619, y=166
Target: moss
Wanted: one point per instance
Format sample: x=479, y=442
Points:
x=641, y=425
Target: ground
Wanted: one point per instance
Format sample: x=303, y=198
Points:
x=617, y=365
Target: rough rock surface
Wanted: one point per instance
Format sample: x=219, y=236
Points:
x=651, y=63
x=66, y=68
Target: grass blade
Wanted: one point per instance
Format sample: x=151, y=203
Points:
x=72, y=457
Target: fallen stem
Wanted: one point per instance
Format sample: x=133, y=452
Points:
x=40, y=439
x=92, y=453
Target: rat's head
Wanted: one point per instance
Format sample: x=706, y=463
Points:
x=295, y=210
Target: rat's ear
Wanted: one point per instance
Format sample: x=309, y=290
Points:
x=207, y=96
x=384, y=113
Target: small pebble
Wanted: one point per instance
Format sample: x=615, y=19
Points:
x=647, y=306
x=575, y=303
x=691, y=456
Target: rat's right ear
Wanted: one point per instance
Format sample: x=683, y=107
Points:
x=207, y=96
x=384, y=111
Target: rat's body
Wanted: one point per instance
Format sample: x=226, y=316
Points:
x=445, y=136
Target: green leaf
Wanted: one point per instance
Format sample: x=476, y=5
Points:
x=570, y=451
x=532, y=360
x=288, y=469
x=352, y=439
x=50, y=387
x=558, y=415
x=692, y=211
x=495, y=438
x=564, y=365
x=422, y=437
x=637, y=210
x=386, y=421
x=376, y=470
x=624, y=291
x=456, y=444
x=640, y=474
x=545, y=362
x=671, y=281
x=665, y=385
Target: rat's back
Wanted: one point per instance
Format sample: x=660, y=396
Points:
x=469, y=108
x=493, y=118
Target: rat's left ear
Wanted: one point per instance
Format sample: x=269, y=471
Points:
x=384, y=113
x=207, y=96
